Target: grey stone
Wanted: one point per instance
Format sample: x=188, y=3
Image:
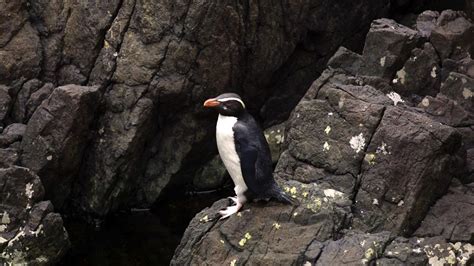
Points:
x=31, y=232
x=56, y=136
x=398, y=180
x=264, y=233
x=387, y=47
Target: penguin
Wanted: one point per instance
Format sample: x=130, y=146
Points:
x=245, y=153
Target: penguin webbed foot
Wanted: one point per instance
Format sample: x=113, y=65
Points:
x=231, y=209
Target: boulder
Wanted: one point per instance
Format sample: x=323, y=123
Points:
x=446, y=111
x=387, y=46
x=5, y=101
x=426, y=22
x=409, y=163
x=264, y=233
x=8, y=157
x=452, y=38
x=426, y=251
x=355, y=248
x=15, y=129
x=451, y=217
x=20, y=45
x=460, y=88
x=421, y=73
x=36, y=98
x=56, y=136
x=275, y=137
x=19, y=108
x=31, y=233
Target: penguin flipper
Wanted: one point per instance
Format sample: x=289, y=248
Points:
x=248, y=159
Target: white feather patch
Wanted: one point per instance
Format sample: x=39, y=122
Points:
x=226, y=147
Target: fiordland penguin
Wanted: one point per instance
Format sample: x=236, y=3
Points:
x=245, y=153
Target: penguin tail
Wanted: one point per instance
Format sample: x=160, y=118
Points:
x=280, y=196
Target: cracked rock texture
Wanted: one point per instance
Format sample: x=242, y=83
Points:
x=30, y=231
x=370, y=152
x=152, y=63
x=101, y=104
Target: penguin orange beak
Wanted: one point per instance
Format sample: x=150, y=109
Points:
x=211, y=103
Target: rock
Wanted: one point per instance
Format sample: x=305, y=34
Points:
x=11, y=134
x=105, y=64
x=37, y=98
x=210, y=176
x=7, y=140
x=289, y=168
x=275, y=137
x=452, y=38
x=398, y=180
x=451, y=217
x=469, y=176
x=332, y=132
x=329, y=27
x=421, y=73
x=460, y=88
x=262, y=232
x=426, y=22
x=8, y=157
x=20, y=47
x=353, y=136
x=15, y=129
x=446, y=111
x=387, y=47
x=19, y=108
x=56, y=136
x=5, y=101
x=463, y=66
x=347, y=60
x=354, y=248
x=159, y=69
x=470, y=9
x=31, y=232
x=424, y=251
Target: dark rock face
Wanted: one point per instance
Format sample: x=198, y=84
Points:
x=5, y=100
x=260, y=233
x=451, y=216
x=155, y=71
x=30, y=232
x=398, y=172
x=387, y=46
x=386, y=132
x=56, y=136
x=102, y=100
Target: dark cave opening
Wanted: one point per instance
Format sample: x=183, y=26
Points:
x=138, y=236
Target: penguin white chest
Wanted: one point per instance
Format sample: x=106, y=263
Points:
x=228, y=153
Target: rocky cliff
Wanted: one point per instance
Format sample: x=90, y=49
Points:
x=100, y=111
x=370, y=152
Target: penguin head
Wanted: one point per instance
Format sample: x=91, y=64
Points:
x=228, y=104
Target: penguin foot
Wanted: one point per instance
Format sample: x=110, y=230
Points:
x=234, y=199
x=231, y=209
